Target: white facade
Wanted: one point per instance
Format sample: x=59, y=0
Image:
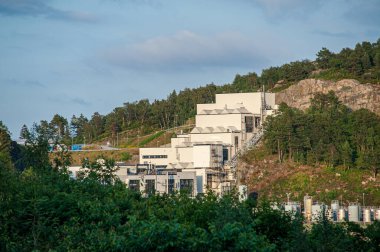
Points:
x=165, y=182
x=221, y=129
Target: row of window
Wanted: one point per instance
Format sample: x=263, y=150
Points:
x=186, y=185
x=154, y=156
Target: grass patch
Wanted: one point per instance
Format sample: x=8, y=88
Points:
x=150, y=138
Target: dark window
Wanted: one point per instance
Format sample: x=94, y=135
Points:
x=257, y=122
x=134, y=185
x=154, y=156
x=225, y=155
x=161, y=166
x=171, y=185
x=150, y=186
x=249, y=124
x=186, y=185
x=236, y=141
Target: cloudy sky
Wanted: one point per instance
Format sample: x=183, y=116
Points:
x=71, y=57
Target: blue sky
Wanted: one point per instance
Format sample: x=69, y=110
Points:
x=71, y=57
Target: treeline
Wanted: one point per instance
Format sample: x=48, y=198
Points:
x=43, y=209
x=362, y=63
x=148, y=116
x=328, y=132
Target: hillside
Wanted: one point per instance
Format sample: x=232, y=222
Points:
x=262, y=173
x=327, y=149
x=350, y=92
x=145, y=117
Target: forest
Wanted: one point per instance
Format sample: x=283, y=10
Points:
x=361, y=63
x=44, y=209
x=327, y=133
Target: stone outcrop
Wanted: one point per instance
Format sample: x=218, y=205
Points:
x=350, y=92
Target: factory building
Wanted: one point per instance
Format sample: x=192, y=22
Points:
x=222, y=129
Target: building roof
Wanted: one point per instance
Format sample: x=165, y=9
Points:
x=239, y=110
x=217, y=129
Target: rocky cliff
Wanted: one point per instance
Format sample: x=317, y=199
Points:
x=350, y=92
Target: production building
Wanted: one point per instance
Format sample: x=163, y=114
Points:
x=222, y=129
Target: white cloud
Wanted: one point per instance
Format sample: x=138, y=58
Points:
x=187, y=50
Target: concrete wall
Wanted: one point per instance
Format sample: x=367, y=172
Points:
x=251, y=101
x=184, y=154
x=224, y=120
x=226, y=138
x=179, y=140
x=169, y=152
x=207, y=156
x=202, y=156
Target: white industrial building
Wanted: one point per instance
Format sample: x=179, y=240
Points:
x=222, y=129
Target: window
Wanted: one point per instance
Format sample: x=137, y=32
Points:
x=257, y=122
x=186, y=185
x=134, y=185
x=171, y=185
x=236, y=141
x=225, y=155
x=249, y=124
x=150, y=186
x=161, y=166
x=154, y=156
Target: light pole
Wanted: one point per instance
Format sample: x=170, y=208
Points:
x=363, y=199
x=117, y=139
x=288, y=196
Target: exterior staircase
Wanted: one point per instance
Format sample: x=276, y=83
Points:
x=250, y=144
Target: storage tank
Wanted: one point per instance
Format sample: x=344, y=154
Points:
x=342, y=214
x=334, y=210
x=308, y=202
x=377, y=214
x=367, y=216
x=354, y=212
x=317, y=210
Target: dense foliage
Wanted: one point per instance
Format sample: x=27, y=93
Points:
x=43, y=209
x=362, y=63
x=328, y=132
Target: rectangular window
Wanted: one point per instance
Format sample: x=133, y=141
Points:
x=209, y=181
x=134, y=185
x=154, y=156
x=171, y=185
x=150, y=186
x=257, y=122
x=236, y=142
x=186, y=185
x=249, y=124
x=225, y=155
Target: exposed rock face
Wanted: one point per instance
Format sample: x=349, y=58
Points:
x=350, y=92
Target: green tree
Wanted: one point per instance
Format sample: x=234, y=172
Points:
x=324, y=57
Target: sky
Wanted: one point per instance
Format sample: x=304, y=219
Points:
x=70, y=57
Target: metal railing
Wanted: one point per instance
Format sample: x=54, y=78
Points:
x=250, y=144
